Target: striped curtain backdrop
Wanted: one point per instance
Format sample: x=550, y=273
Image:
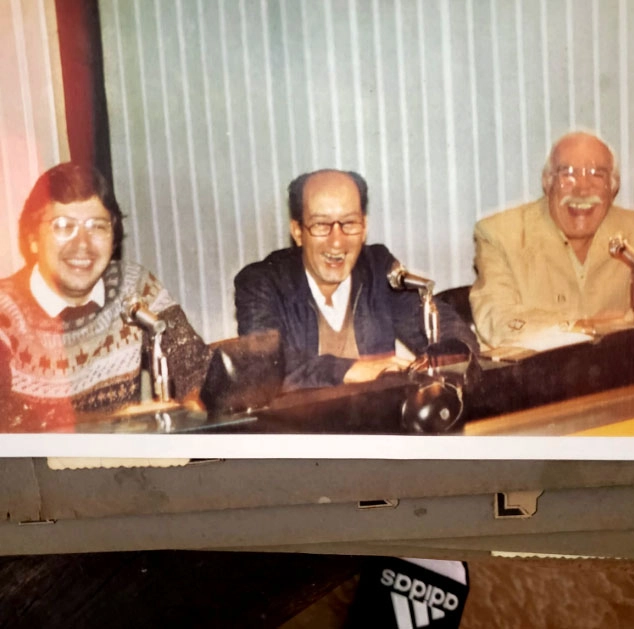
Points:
x=447, y=107
x=32, y=127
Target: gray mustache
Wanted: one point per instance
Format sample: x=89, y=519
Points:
x=593, y=199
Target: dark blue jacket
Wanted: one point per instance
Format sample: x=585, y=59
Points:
x=274, y=294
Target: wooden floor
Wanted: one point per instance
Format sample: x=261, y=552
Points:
x=535, y=593
x=165, y=589
x=260, y=590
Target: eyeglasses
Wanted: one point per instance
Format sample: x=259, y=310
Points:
x=349, y=228
x=569, y=175
x=66, y=228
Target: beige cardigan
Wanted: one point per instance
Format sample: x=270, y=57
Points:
x=526, y=280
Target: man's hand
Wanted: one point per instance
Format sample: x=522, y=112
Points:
x=366, y=369
x=602, y=323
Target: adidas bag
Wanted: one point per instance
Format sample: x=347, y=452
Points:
x=398, y=593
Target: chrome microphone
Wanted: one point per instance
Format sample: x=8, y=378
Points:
x=135, y=312
x=400, y=278
x=620, y=248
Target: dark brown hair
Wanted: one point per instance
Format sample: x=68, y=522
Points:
x=66, y=183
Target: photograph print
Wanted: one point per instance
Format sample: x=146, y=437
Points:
x=361, y=228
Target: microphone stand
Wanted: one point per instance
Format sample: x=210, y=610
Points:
x=134, y=312
x=160, y=373
x=430, y=316
x=430, y=321
x=400, y=279
x=435, y=405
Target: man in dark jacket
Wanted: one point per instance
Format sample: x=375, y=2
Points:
x=329, y=297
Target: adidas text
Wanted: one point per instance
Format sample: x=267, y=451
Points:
x=417, y=590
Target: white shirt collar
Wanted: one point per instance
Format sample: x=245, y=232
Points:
x=336, y=313
x=52, y=303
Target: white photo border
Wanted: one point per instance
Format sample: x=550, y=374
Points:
x=318, y=446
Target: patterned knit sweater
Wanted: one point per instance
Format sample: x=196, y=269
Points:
x=58, y=368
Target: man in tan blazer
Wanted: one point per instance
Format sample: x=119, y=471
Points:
x=545, y=266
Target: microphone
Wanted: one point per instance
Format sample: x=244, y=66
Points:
x=400, y=278
x=135, y=312
x=620, y=248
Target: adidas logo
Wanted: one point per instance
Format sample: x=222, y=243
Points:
x=415, y=603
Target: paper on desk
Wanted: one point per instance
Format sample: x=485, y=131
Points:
x=550, y=338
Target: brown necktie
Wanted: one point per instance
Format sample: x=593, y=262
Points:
x=72, y=313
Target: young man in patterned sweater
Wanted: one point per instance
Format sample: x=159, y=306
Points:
x=65, y=344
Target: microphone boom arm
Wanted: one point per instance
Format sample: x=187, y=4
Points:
x=620, y=248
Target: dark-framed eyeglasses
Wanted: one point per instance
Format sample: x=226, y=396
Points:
x=569, y=175
x=66, y=227
x=349, y=228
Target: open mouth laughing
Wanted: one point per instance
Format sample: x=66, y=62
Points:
x=334, y=259
x=579, y=206
x=79, y=263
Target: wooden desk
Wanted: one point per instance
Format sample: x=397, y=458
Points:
x=518, y=395
x=606, y=413
x=618, y=429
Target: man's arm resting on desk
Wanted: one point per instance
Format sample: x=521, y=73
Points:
x=366, y=369
x=187, y=354
x=496, y=303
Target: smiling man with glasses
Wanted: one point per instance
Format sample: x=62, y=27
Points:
x=329, y=296
x=545, y=267
x=66, y=345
